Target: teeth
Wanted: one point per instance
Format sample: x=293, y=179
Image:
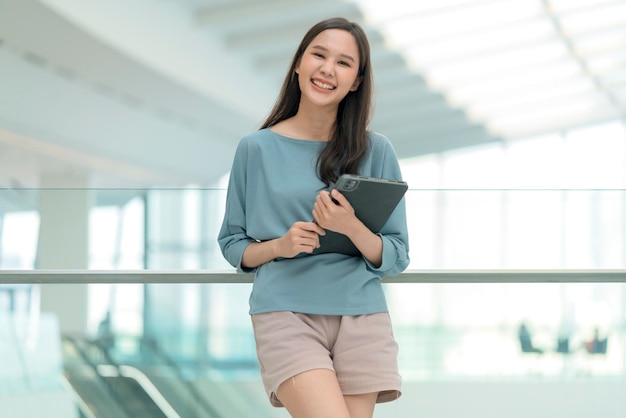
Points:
x=323, y=85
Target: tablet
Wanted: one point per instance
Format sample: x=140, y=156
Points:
x=373, y=200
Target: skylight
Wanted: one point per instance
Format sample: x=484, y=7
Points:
x=516, y=65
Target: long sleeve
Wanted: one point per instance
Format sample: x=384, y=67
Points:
x=394, y=233
x=232, y=237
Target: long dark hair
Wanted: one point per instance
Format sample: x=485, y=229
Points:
x=348, y=145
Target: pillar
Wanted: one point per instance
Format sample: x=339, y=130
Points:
x=64, y=205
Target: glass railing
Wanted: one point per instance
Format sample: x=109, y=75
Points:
x=31, y=367
x=483, y=263
x=453, y=336
x=448, y=229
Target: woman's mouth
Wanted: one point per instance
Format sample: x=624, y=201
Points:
x=323, y=85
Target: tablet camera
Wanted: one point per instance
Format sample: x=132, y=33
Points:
x=350, y=185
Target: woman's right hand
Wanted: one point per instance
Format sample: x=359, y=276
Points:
x=302, y=237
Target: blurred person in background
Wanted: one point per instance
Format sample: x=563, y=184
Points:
x=596, y=345
x=526, y=341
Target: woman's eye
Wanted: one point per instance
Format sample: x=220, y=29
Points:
x=317, y=54
x=344, y=63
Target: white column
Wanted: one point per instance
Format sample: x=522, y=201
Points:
x=64, y=244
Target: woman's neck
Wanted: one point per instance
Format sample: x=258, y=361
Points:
x=317, y=124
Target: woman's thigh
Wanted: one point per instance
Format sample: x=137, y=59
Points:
x=361, y=406
x=314, y=394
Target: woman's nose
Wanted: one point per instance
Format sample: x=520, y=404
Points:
x=327, y=69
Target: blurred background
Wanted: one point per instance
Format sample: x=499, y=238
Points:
x=118, y=124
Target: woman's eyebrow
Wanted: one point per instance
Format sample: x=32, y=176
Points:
x=323, y=48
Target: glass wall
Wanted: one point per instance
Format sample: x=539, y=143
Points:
x=555, y=202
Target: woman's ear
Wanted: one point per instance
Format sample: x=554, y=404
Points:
x=297, y=66
x=356, y=84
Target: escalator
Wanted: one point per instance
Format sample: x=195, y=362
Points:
x=94, y=393
x=177, y=388
x=151, y=387
x=106, y=389
x=134, y=396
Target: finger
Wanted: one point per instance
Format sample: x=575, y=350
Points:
x=318, y=205
x=314, y=227
x=316, y=217
x=331, y=196
x=307, y=226
x=322, y=200
x=318, y=221
x=309, y=242
x=326, y=198
x=339, y=198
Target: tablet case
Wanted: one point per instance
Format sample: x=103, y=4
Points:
x=373, y=200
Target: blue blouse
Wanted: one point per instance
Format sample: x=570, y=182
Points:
x=273, y=183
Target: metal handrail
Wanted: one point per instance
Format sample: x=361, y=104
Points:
x=231, y=276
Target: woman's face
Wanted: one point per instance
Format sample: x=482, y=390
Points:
x=328, y=69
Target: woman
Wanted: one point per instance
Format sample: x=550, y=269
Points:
x=324, y=338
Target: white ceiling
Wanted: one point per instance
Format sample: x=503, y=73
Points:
x=149, y=93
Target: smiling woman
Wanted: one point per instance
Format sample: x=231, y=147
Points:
x=329, y=65
x=321, y=323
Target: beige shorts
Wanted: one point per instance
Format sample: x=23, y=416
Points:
x=361, y=350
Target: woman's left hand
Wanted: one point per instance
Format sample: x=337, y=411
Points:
x=337, y=216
